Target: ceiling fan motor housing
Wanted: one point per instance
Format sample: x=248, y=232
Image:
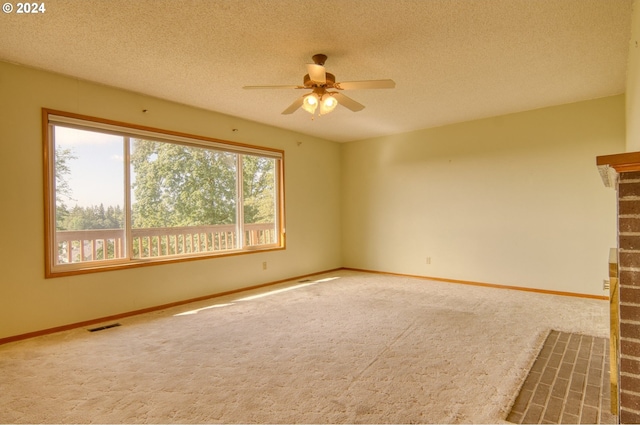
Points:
x=331, y=80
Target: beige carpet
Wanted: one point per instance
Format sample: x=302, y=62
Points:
x=346, y=347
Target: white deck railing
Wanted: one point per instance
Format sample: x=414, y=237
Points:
x=76, y=246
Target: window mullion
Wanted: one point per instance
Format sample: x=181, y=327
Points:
x=127, y=197
x=276, y=201
x=239, y=203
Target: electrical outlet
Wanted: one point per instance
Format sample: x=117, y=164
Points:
x=264, y=265
x=428, y=261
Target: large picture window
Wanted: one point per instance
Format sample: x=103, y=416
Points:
x=120, y=195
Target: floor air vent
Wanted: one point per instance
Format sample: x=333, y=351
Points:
x=101, y=328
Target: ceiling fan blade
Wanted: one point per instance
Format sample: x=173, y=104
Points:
x=347, y=102
x=273, y=87
x=294, y=106
x=317, y=73
x=368, y=84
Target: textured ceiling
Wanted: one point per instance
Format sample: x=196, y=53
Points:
x=452, y=60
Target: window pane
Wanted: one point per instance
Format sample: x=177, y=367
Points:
x=183, y=199
x=259, y=200
x=89, y=196
x=121, y=196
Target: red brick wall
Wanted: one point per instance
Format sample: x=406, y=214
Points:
x=629, y=279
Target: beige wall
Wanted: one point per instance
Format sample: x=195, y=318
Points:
x=633, y=83
x=512, y=200
x=28, y=302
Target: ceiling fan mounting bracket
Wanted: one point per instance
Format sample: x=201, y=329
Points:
x=319, y=59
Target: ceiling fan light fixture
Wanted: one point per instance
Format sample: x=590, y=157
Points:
x=310, y=103
x=328, y=104
x=319, y=80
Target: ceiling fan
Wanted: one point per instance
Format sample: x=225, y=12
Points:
x=320, y=82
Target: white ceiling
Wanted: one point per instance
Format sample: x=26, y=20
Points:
x=452, y=60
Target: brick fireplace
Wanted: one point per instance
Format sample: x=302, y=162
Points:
x=622, y=173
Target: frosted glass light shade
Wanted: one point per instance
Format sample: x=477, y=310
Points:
x=328, y=104
x=310, y=103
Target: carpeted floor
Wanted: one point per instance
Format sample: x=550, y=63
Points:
x=346, y=347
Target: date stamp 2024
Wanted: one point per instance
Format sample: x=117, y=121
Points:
x=24, y=8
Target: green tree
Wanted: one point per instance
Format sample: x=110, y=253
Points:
x=258, y=189
x=114, y=218
x=94, y=217
x=179, y=185
x=62, y=157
